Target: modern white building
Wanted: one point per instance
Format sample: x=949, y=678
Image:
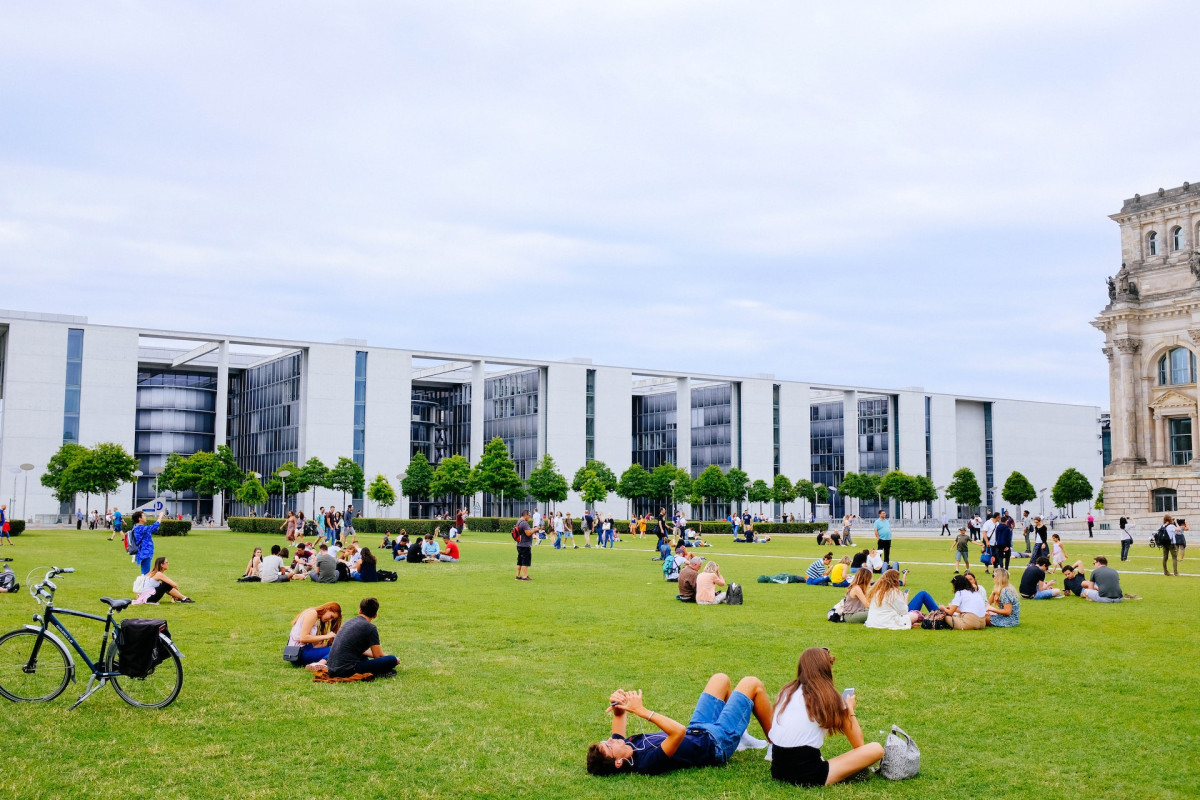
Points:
x=272, y=401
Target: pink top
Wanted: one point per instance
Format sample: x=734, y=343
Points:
x=706, y=587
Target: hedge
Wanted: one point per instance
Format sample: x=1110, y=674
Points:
x=16, y=527
x=503, y=525
x=168, y=527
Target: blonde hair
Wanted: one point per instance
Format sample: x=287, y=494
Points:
x=889, y=582
x=845, y=560
x=1000, y=582
x=711, y=566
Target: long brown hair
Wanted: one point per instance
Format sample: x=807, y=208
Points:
x=862, y=579
x=887, y=583
x=814, y=677
x=336, y=608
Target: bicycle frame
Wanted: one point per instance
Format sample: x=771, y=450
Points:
x=50, y=618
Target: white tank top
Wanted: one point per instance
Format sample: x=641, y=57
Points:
x=793, y=728
x=297, y=632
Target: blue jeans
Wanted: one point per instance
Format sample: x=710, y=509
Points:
x=557, y=541
x=1045, y=594
x=376, y=666
x=144, y=564
x=841, y=584
x=310, y=654
x=1125, y=549
x=725, y=721
x=922, y=598
x=816, y=581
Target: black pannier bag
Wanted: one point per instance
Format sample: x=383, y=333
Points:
x=139, y=650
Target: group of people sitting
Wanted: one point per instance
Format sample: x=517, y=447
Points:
x=1104, y=586
x=886, y=604
x=699, y=582
x=805, y=711
x=324, y=564
x=423, y=551
x=343, y=649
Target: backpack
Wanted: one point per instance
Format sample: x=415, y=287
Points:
x=139, y=648
x=386, y=575
x=670, y=569
x=1162, y=538
x=733, y=595
x=132, y=544
x=8, y=581
x=516, y=532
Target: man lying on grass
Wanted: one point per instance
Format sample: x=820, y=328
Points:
x=717, y=730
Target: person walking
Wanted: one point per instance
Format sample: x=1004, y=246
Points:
x=1091, y=522
x=524, y=547
x=5, y=528
x=118, y=522
x=1168, y=545
x=883, y=536
x=1126, y=538
x=945, y=524
x=1027, y=529
x=1181, y=540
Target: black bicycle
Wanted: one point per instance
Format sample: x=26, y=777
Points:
x=35, y=666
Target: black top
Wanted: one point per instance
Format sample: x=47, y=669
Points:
x=1074, y=585
x=1029, y=580
x=354, y=638
x=858, y=561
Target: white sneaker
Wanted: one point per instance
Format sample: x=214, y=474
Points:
x=748, y=742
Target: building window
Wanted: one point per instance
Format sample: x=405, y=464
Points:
x=360, y=408
x=1176, y=367
x=989, y=456
x=827, y=443
x=589, y=443
x=1152, y=243
x=1181, y=440
x=1177, y=238
x=1165, y=500
x=775, y=422
x=74, y=384
x=263, y=420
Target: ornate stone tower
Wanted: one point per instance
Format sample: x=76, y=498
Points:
x=1152, y=334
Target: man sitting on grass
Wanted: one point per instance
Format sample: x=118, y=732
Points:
x=818, y=571
x=1034, y=585
x=1105, y=585
x=716, y=731
x=356, y=649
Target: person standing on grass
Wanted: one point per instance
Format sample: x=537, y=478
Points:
x=587, y=527
x=524, y=547
x=143, y=537
x=807, y=710
x=1058, y=555
x=661, y=532
x=715, y=732
x=1002, y=536
x=962, y=550
x=1126, y=538
x=883, y=536
x=569, y=532
x=5, y=528
x=945, y=524
x=1169, y=548
x=1180, y=540
x=118, y=522
x=1027, y=529
x=356, y=649
x=1091, y=522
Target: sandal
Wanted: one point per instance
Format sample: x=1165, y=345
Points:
x=187, y=600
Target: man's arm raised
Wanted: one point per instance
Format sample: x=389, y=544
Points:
x=632, y=702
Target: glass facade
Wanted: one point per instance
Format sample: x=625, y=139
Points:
x=827, y=443
x=264, y=419
x=654, y=421
x=74, y=384
x=441, y=427
x=1177, y=367
x=1165, y=500
x=510, y=411
x=589, y=444
x=928, y=447
x=360, y=408
x=712, y=438
x=874, y=446
x=1106, y=438
x=176, y=413
x=775, y=424
x=989, y=464
x=1181, y=440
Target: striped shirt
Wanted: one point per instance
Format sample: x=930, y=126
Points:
x=816, y=570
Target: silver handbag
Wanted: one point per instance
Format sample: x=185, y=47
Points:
x=901, y=756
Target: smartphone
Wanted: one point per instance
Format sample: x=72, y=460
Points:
x=847, y=693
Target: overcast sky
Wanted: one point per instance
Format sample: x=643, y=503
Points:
x=892, y=194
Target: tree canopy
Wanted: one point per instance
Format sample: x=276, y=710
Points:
x=635, y=482
x=347, y=477
x=496, y=473
x=418, y=479
x=546, y=483
x=381, y=493
x=711, y=484
x=55, y=476
x=1018, y=490
x=451, y=478
x=739, y=486
x=1071, y=487
x=759, y=492
x=251, y=492
x=600, y=471
x=964, y=489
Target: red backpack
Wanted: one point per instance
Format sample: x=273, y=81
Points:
x=516, y=532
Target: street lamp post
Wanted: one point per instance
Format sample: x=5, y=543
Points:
x=25, y=502
x=672, y=484
x=284, y=474
x=137, y=475
x=1042, y=492
x=992, y=498
x=15, y=472
x=157, y=471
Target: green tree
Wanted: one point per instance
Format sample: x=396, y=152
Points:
x=822, y=493
x=314, y=474
x=711, y=485
x=783, y=491
x=600, y=470
x=418, y=480
x=452, y=478
x=739, y=486
x=213, y=474
x=1100, y=501
x=594, y=490
x=759, y=492
x=496, y=474
x=682, y=493
x=278, y=484
x=926, y=492
x=546, y=483
x=635, y=482
x=347, y=477
x=852, y=486
x=56, y=477
x=251, y=492
x=805, y=490
x=895, y=485
x=1071, y=487
x=381, y=493
x=660, y=483
x=1018, y=490
x=111, y=467
x=964, y=489
x=175, y=476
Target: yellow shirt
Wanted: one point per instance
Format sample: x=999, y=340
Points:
x=839, y=573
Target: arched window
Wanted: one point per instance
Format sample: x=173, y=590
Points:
x=1152, y=243
x=1177, y=366
x=1177, y=238
x=1165, y=501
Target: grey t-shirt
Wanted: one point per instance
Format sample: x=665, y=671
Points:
x=1108, y=582
x=524, y=539
x=353, y=639
x=326, y=569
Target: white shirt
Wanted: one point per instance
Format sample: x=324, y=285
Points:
x=874, y=562
x=1127, y=532
x=891, y=614
x=271, y=569
x=945, y=519
x=793, y=728
x=537, y=519
x=558, y=525
x=970, y=603
x=988, y=527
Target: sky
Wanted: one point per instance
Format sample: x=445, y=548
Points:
x=878, y=194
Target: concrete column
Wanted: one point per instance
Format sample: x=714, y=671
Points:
x=543, y=409
x=1161, y=455
x=683, y=424
x=735, y=424
x=1195, y=463
x=221, y=427
x=850, y=431
x=477, y=442
x=1124, y=424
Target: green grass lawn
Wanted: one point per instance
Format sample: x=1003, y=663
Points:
x=505, y=683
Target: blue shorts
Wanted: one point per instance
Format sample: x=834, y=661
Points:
x=724, y=721
x=1045, y=594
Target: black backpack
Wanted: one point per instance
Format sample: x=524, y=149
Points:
x=139, y=648
x=1162, y=538
x=8, y=580
x=733, y=595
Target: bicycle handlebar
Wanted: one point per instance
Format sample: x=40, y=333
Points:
x=45, y=590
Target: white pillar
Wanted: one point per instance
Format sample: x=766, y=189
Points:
x=477, y=442
x=735, y=424
x=221, y=427
x=543, y=410
x=683, y=424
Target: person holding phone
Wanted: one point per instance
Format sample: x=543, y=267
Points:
x=807, y=710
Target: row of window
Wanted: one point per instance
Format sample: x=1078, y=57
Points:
x=1177, y=240
x=1177, y=366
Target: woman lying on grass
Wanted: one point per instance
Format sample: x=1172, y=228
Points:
x=806, y=711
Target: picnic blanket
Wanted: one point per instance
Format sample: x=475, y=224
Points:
x=323, y=676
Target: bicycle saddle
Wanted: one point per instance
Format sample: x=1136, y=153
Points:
x=116, y=605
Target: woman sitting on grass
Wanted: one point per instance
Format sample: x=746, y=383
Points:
x=1004, y=604
x=889, y=609
x=252, y=568
x=840, y=574
x=313, y=631
x=806, y=711
x=366, y=572
x=710, y=585
x=158, y=585
x=854, y=604
x=967, y=611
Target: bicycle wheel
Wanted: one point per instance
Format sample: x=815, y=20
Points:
x=25, y=680
x=156, y=689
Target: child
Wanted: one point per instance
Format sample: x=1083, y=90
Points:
x=961, y=551
x=1058, y=555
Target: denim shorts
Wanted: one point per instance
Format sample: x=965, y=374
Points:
x=1045, y=594
x=724, y=721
